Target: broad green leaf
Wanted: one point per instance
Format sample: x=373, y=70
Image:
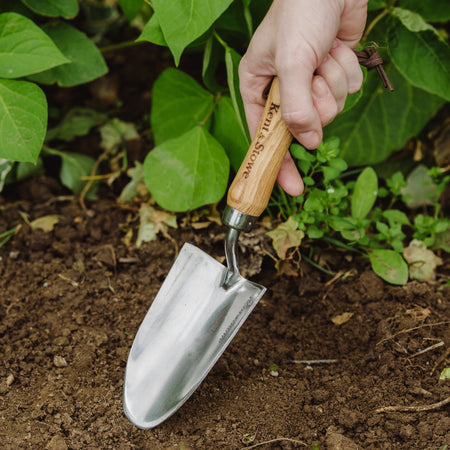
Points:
x=227, y=130
x=77, y=122
x=182, y=22
x=23, y=120
x=86, y=64
x=431, y=10
x=365, y=193
x=131, y=7
x=74, y=167
x=152, y=32
x=179, y=104
x=421, y=57
x=232, y=60
x=54, y=8
x=382, y=121
x=187, y=172
x=24, y=48
x=389, y=265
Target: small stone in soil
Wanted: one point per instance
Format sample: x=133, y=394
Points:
x=59, y=361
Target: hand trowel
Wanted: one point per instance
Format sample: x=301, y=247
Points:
x=202, y=304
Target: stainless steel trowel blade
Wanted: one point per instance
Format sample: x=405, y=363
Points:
x=188, y=326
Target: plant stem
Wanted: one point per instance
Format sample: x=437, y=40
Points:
x=217, y=98
x=120, y=46
x=374, y=22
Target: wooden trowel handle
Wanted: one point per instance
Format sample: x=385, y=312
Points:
x=251, y=188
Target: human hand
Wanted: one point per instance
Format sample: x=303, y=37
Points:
x=308, y=45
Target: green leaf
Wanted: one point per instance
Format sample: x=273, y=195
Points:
x=86, y=64
x=226, y=129
x=212, y=57
x=77, y=122
x=421, y=56
x=445, y=374
x=54, y=8
x=23, y=120
x=382, y=121
x=389, y=265
x=431, y=10
x=188, y=171
x=232, y=60
x=131, y=8
x=24, y=48
x=182, y=22
x=179, y=104
x=152, y=32
x=364, y=193
x=74, y=166
x=395, y=216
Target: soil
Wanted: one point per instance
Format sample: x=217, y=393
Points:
x=72, y=299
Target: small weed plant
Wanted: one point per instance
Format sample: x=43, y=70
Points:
x=359, y=215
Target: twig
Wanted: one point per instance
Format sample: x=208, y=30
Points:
x=414, y=408
x=276, y=440
x=413, y=329
x=432, y=347
x=314, y=361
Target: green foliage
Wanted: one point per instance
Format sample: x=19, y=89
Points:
x=86, y=62
x=187, y=171
x=419, y=67
x=364, y=224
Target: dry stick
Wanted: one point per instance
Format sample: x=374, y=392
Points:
x=413, y=329
x=414, y=408
x=314, y=361
x=432, y=347
x=276, y=440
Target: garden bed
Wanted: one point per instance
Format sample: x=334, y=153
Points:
x=72, y=300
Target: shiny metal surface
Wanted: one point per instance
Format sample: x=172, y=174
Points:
x=234, y=218
x=188, y=326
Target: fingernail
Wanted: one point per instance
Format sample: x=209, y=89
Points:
x=310, y=139
x=320, y=87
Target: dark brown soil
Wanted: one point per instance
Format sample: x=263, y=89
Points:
x=71, y=301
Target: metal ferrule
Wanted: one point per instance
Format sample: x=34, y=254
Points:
x=237, y=220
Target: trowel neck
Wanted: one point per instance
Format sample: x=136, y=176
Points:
x=237, y=220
